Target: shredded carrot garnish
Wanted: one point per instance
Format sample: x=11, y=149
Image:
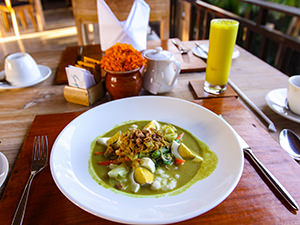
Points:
x=99, y=153
x=122, y=57
x=106, y=163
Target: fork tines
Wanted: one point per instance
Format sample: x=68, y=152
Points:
x=40, y=148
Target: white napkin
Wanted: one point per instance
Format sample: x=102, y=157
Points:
x=79, y=77
x=131, y=31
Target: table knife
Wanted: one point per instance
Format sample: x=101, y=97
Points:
x=271, y=126
x=266, y=173
x=179, y=46
x=202, y=49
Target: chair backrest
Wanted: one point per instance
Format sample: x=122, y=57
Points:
x=85, y=12
x=14, y=8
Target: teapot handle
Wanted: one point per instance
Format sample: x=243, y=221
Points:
x=177, y=64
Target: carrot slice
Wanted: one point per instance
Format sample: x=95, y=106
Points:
x=179, y=161
x=99, y=153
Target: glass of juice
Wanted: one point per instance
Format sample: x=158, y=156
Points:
x=222, y=37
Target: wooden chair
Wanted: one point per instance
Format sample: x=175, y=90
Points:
x=85, y=12
x=14, y=8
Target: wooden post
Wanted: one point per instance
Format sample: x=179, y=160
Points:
x=263, y=48
x=186, y=19
x=281, y=52
x=39, y=15
x=205, y=25
x=197, y=25
x=262, y=16
x=248, y=39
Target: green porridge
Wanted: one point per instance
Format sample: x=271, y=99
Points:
x=143, y=158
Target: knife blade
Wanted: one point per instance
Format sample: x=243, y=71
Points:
x=271, y=126
x=202, y=49
x=266, y=173
x=179, y=46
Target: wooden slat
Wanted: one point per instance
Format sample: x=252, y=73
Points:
x=289, y=10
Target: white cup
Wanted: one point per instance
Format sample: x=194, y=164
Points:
x=293, y=94
x=21, y=69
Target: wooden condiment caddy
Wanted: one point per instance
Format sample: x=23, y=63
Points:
x=85, y=97
x=88, y=96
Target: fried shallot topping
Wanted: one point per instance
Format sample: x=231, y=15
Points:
x=135, y=142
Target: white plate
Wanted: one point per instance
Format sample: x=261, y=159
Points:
x=201, y=53
x=276, y=100
x=71, y=152
x=45, y=73
x=3, y=168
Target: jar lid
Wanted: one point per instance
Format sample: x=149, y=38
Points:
x=157, y=54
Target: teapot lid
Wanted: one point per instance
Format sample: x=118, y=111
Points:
x=158, y=54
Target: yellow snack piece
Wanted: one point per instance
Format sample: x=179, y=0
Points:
x=90, y=60
x=86, y=64
x=143, y=176
x=114, y=138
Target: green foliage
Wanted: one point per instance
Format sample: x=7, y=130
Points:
x=243, y=9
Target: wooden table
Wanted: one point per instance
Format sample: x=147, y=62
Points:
x=255, y=78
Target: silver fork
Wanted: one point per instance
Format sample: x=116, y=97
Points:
x=39, y=162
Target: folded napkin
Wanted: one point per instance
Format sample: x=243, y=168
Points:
x=79, y=77
x=131, y=31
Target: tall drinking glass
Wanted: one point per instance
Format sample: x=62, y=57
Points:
x=222, y=37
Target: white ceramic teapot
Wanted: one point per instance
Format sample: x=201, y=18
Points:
x=160, y=75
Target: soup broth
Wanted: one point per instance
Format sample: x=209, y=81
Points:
x=136, y=175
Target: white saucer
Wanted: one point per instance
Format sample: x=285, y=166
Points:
x=200, y=52
x=3, y=168
x=45, y=73
x=276, y=100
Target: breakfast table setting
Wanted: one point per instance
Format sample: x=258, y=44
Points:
x=256, y=182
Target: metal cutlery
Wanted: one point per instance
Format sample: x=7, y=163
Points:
x=271, y=126
x=266, y=173
x=179, y=46
x=202, y=49
x=80, y=54
x=39, y=162
x=290, y=142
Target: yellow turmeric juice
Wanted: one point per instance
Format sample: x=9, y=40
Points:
x=222, y=37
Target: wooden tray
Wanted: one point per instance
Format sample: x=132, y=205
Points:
x=199, y=93
x=252, y=202
x=188, y=62
x=69, y=57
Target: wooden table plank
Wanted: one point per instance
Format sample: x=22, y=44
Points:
x=251, y=202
